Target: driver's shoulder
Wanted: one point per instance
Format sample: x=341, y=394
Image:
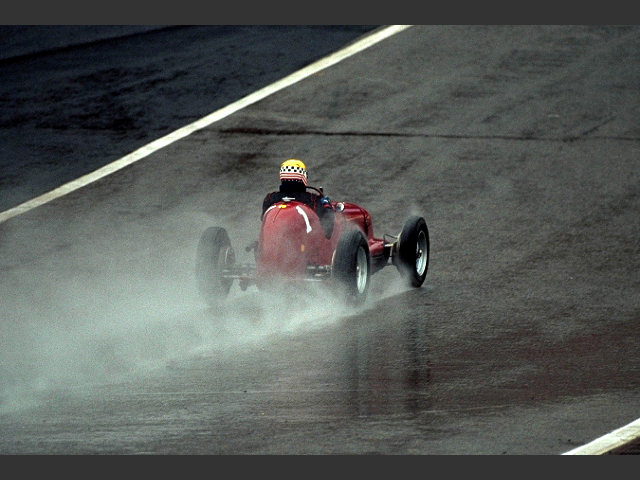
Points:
x=312, y=197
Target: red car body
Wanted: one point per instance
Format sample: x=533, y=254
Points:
x=293, y=243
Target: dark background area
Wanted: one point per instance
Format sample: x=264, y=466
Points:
x=74, y=98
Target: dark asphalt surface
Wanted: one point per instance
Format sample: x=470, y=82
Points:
x=519, y=146
x=73, y=98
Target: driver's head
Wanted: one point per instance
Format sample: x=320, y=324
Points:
x=293, y=170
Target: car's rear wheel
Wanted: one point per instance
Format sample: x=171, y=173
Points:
x=351, y=272
x=413, y=251
x=214, y=255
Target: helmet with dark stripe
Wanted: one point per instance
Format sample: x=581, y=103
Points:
x=293, y=169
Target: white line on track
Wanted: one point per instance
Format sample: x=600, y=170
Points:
x=608, y=442
x=325, y=62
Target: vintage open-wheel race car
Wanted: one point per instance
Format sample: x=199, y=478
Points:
x=296, y=245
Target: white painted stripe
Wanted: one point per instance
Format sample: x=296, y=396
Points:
x=304, y=215
x=218, y=115
x=608, y=442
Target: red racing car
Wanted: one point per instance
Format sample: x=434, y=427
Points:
x=296, y=245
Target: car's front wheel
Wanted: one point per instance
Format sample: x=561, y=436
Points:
x=413, y=251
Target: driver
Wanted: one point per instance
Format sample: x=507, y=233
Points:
x=293, y=184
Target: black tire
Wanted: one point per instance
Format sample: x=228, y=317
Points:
x=351, y=269
x=213, y=255
x=413, y=251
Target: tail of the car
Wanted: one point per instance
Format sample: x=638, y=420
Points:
x=284, y=243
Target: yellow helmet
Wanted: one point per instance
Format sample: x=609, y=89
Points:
x=293, y=169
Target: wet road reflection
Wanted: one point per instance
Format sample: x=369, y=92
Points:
x=388, y=368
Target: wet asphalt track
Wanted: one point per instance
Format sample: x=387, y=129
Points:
x=519, y=146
